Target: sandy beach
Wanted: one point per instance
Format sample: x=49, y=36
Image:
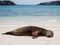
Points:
x=11, y=23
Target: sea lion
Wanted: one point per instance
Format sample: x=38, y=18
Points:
x=33, y=31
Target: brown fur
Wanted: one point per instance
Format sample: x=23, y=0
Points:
x=33, y=31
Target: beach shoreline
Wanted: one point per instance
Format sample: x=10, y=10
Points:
x=8, y=24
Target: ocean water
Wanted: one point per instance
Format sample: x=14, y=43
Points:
x=30, y=10
x=46, y=16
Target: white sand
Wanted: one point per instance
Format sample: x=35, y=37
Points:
x=8, y=24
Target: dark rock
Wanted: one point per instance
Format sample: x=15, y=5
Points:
x=50, y=3
x=7, y=3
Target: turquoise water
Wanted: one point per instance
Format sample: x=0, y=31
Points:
x=30, y=10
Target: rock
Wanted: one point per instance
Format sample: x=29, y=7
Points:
x=50, y=3
x=7, y=3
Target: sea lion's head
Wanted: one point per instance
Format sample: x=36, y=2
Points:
x=49, y=34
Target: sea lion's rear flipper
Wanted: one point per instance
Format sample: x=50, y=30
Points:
x=7, y=33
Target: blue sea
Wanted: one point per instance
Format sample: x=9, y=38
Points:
x=30, y=10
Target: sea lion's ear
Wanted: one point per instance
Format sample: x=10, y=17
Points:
x=35, y=34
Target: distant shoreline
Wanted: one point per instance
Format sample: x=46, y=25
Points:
x=50, y=3
x=7, y=3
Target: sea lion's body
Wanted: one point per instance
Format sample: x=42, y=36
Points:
x=31, y=31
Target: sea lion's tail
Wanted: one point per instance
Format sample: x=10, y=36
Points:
x=7, y=33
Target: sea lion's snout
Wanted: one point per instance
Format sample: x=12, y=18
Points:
x=49, y=34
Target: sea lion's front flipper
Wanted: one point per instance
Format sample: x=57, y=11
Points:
x=33, y=37
x=35, y=34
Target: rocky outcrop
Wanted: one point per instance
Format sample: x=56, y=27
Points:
x=50, y=3
x=7, y=3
